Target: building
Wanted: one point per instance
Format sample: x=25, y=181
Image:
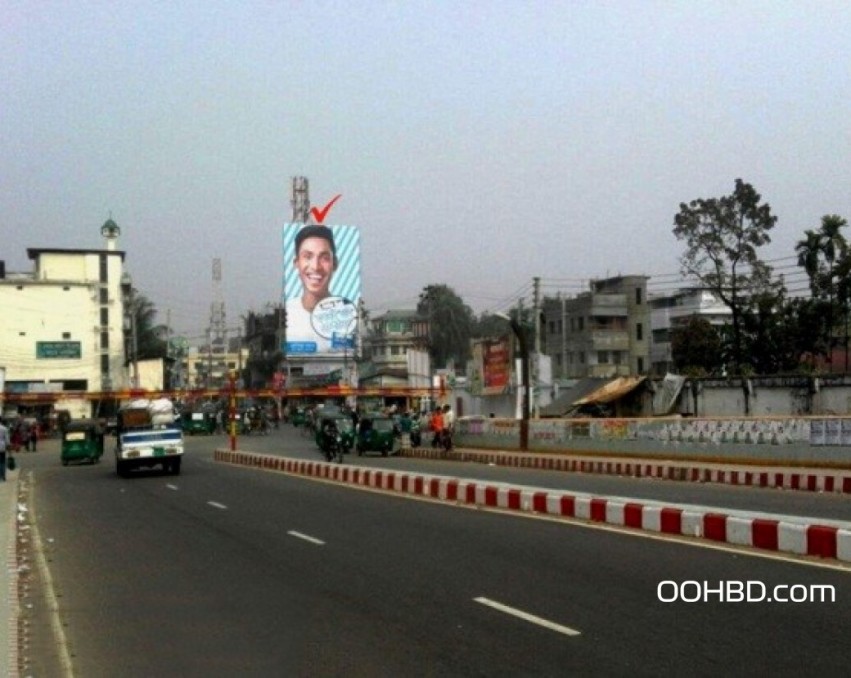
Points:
x=395, y=352
x=204, y=368
x=672, y=310
x=63, y=328
x=263, y=339
x=604, y=332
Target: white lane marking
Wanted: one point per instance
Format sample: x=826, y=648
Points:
x=217, y=505
x=306, y=537
x=172, y=487
x=558, y=628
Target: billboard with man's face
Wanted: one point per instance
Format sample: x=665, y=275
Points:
x=322, y=288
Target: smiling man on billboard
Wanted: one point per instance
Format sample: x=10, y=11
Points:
x=321, y=317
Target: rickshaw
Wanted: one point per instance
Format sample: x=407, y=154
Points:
x=82, y=440
x=377, y=434
x=344, y=428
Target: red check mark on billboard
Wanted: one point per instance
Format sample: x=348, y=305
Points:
x=320, y=214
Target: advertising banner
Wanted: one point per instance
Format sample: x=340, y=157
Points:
x=490, y=373
x=495, y=364
x=322, y=289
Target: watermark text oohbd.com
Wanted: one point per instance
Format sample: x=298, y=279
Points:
x=736, y=591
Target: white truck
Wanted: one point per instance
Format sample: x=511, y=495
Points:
x=147, y=436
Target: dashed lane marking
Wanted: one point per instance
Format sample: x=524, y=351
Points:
x=306, y=537
x=513, y=611
x=217, y=505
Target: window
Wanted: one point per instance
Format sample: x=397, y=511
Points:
x=582, y=357
x=104, y=295
x=104, y=317
x=641, y=365
x=639, y=331
x=617, y=357
x=602, y=357
x=104, y=363
x=103, y=268
x=638, y=296
x=581, y=321
x=104, y=340
x=66, y=335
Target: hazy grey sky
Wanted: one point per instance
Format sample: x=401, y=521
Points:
x=476, y=144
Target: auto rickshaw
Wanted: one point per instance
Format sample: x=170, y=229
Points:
x=344, y=427
x=377, y=434
x=298, y=417
x=82, y=440
x=198, y=422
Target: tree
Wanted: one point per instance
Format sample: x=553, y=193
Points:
x=696, y=347
x=824, y=256
x=722, y=237
x=149, y=341
x=778, y=332
x=451, y=324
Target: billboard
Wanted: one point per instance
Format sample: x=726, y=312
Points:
x=491, y=360
x=322, y=289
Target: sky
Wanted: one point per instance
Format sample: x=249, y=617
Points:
x=476, y=144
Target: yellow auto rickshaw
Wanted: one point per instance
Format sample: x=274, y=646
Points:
x=82, y=440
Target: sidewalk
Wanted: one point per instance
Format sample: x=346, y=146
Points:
x=9, y=577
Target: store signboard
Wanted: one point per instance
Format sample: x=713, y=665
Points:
x=61, y=350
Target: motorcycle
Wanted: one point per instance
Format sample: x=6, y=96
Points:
x=334, y=448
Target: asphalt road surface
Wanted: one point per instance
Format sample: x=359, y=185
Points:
x=226, y=571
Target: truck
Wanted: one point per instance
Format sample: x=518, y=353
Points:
x=147, y=436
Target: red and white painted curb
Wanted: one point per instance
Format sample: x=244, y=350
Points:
x=787, y=479
x=779, y=533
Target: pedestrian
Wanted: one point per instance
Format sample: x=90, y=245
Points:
x=448, y=425
x=4, y=445
x=16, y=437
x=405, y=426
x=32, y=437
x=436, y=425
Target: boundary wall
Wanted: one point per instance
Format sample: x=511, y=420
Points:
x=783, y=441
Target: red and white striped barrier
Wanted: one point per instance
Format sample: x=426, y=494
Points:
x=787, y=479
x=783, y=534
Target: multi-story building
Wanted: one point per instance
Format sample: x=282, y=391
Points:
x=604, y=332
x=395, y=351
x=204, y=368
x=63, y=328
x=672, y=310
x=263, y=338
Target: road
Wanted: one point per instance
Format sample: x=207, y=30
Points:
x=223, y=571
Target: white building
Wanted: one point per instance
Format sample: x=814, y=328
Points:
x=63, y=329
x=672, y=310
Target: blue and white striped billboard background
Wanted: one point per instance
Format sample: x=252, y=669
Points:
x=346, y=282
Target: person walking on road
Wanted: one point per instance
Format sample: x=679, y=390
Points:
x=4, y=445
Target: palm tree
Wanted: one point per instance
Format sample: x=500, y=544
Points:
x=824, y=255
x=808, y=251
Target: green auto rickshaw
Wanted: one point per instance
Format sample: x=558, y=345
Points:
x=343, y=425
x=82, y=440
x=377, y=434
x=198, y=422
x=298, y=417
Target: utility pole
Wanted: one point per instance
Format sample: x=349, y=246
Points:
x=300, y=200
x=134, y=330
x=536, y=319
